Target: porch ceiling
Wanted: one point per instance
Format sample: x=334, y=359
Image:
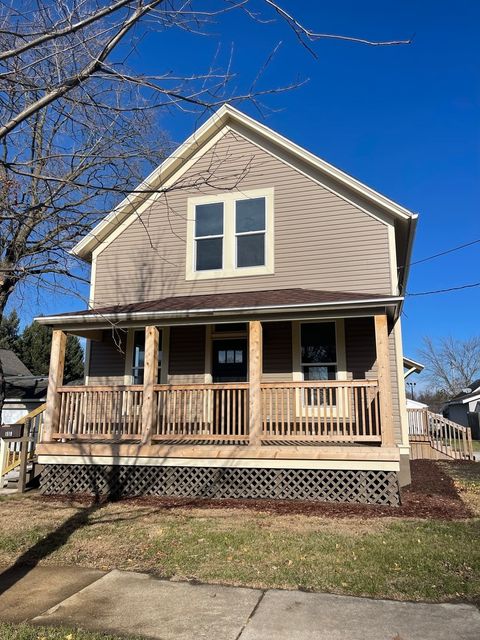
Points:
x=226, y=306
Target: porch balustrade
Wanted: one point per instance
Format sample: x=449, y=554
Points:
x=323, y=411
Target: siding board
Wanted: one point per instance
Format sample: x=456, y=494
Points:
x=107, y=359
x=320, y=238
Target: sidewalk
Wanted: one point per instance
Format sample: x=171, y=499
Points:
x=134, y=603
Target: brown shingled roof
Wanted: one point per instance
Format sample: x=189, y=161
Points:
x=237, y=300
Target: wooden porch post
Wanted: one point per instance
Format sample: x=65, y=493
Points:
x=55, y=379
x=150, y=374
x=384, y=380
x=255, y=377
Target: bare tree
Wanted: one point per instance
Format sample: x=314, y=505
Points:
x=90, y=32
x=61, y=170
x=451, y=364
x=78, y=127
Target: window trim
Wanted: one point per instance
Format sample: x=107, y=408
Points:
x=230, y=270
x=129, y=352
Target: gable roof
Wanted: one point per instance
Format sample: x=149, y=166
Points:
x=464, y=397
x=12, y=365
x=225, y=116
x=26, y=388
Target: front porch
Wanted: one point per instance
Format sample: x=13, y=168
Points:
x=304, y=417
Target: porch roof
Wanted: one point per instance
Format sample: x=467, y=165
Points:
x=225, y=304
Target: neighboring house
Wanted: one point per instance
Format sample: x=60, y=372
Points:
x=244, y=333
x=24, y=392
x=411, y=366
x=464, y=408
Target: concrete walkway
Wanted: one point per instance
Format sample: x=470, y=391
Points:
x=137, y=604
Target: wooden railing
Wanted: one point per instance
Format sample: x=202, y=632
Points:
x=103, y=412
x=323, y=411
x=332, y=411
x=444, y=436
x=19, y=452
x=201, y=412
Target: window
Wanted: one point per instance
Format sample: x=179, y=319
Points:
x=230, y=356
x=209, y=236
x=250, y=232
x=319, y=355
x=138, y=361
x=230, y=235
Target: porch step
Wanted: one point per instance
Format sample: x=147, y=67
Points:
x=10, y=480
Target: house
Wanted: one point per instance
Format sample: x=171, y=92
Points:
x=24, y=392
x=411, y=366
x=244, y=332
x=464, y=408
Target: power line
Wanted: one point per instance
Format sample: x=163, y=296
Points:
x=442, y=253
x=428, y=293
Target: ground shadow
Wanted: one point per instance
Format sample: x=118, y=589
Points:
x=45, y=547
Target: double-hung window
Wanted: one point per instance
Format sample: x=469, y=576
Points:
x=250, y=231
x=319, y=355
x=209, y=228
x=138, y=360
x=230, y=235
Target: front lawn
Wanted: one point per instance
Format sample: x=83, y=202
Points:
x=28, y=632
x=476, y=445
x=390, y=553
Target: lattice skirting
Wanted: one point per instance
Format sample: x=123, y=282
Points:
x=374, y=487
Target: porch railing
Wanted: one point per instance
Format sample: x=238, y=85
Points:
x=444, y=436
x=104, y=412
x=321, y=411
x=201, y=412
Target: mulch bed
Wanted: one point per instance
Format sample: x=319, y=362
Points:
x=432, y=495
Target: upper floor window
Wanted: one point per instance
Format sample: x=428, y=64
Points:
x=209, y=236
x=250, y=228
x=230, y=235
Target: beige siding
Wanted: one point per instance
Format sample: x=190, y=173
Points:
x=107, y=359
x=187, y=355
x=360, y=348
x=277, y=351
x=321, y=241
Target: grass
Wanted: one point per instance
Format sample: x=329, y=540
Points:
x=476, y=445
x=28, y=632
x=406, y=559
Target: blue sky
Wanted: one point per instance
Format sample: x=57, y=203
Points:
x=404, y=120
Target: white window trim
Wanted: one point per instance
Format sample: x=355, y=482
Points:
x=230, y=270
x=165, y=348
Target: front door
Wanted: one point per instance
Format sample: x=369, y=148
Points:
x=229, y=360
